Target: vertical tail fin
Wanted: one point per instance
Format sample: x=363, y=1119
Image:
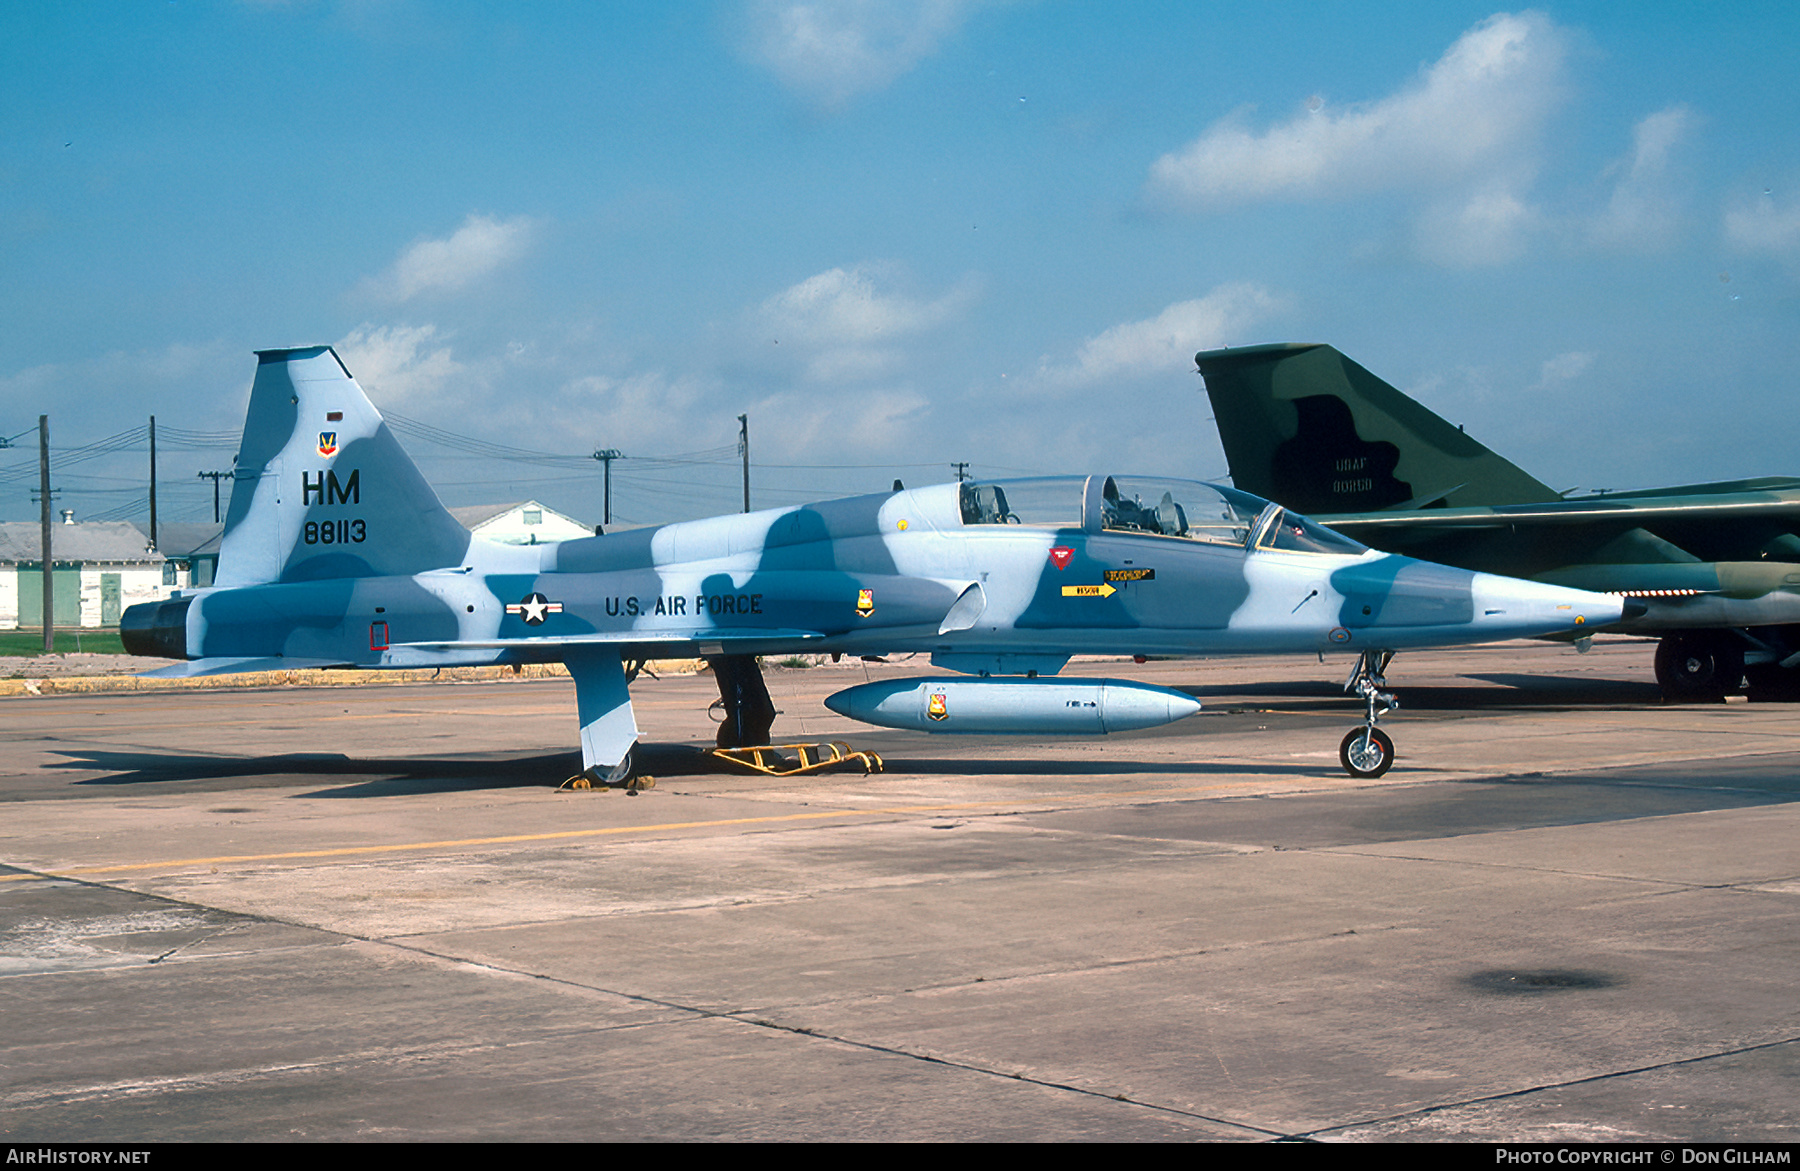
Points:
x=322, y=488
x=1306, y=426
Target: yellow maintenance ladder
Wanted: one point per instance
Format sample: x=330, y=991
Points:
x=793, y=760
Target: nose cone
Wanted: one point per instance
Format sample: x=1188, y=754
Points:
x=1549, y=609
x=1396, y=601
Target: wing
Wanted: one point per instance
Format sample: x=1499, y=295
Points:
x=696, y=635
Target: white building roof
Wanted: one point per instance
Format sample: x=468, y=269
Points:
x=115, y=541
x=523, y=522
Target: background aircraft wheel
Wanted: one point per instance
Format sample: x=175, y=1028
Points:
x=1366, y=752
x=1773, y=683
x=1698, y=666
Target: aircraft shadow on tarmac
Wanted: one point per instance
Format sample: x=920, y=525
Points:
x=998, y=766
x=1498, y=691
x=386, y=777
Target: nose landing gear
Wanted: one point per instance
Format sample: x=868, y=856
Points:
x=1367, y=752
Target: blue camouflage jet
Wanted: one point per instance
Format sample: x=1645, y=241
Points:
x=337, y=553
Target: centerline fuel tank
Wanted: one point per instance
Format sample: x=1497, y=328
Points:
x=1026, y=706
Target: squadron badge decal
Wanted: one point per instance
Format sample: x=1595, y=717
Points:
x=328, y=443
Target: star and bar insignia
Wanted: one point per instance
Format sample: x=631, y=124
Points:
x=534, y=607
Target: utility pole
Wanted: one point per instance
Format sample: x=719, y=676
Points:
x=962, y=471
x=215, y=477
x=44, y=524
x=743, y=450
x=153, y=481
x=606, y=455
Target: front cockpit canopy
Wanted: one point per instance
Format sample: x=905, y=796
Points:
x=1186, y=509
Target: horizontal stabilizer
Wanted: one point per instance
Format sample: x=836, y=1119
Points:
x=195, y=668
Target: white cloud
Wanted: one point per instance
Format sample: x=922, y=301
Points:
x=91, y=394
x=1473, y=115
x=191, y=387
x=1485, y=227
x=1565, y=367
x=646, y=411
x=841, y=305
x=1765, y=225
x=475, y=249
x=870, y=419
x=1643, y=210
x=845, y=328
x=1168, y=341
x=655, y=411
x=832, y=51
x=400, y=364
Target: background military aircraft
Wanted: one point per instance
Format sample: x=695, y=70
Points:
x=336, y=553
x=1718, y=565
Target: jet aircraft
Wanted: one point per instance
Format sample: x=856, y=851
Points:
x=336, y=553
x=1717, y=565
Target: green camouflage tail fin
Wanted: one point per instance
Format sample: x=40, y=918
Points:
x=1306, y=426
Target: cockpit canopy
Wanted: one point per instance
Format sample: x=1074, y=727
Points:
x=1186, y=509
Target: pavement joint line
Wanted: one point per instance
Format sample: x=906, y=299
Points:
x=1674, y=1063
x=1669, y=885
x=1633, y=761
x=1156, y=960
x=1025, y=1079
x=743, y=1017
x=740, y=1016
x=29, y=1098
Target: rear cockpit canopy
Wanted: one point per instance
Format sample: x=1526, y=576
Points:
x=1153, y=506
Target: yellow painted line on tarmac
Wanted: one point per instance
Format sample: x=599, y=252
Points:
x=607, y=831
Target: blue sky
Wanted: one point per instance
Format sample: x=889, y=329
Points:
x=897, y=235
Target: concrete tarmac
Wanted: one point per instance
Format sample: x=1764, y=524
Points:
x=1570, y=912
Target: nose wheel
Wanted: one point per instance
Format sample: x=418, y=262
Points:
x=1367, y=751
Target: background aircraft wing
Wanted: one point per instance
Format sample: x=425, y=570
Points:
x=1569, y=512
